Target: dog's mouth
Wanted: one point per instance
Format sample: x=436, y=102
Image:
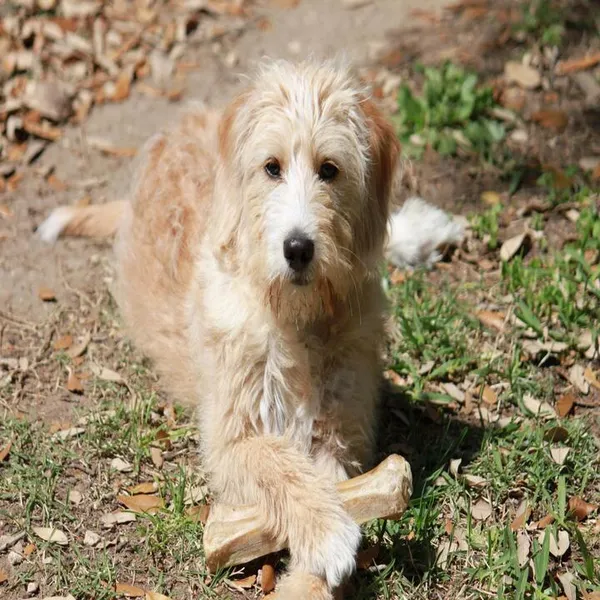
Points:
x=300, y=279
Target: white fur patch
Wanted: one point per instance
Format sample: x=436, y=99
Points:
x=417, y=232
x=50, y=230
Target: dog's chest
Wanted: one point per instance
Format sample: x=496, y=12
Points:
x=293, y=388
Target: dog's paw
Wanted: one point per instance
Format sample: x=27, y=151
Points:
x=332, y=554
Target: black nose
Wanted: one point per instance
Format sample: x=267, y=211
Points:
x=298, y=251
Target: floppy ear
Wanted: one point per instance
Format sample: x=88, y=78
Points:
x=384, y=150
x=228, y=202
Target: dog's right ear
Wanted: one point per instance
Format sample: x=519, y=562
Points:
x=228, y=201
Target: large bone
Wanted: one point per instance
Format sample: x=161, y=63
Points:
x=233, y=535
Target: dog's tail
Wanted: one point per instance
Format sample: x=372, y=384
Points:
x=419, y=233
x=96, y=220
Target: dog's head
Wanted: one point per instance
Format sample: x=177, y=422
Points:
x=307, y=163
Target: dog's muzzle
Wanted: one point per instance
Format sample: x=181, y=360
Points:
x=298, y=250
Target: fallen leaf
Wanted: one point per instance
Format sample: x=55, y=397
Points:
x=591, y=378
x=29, y=550
x=488, y=395
x=64, y=342
x=80, y=347
x=491, y=198
x=131, y=591
x=523, y=75
x=66, y=434
x=577, y=64
x=267, y=578
x=143, y=488
x=475, y=481
x=535, y=347
x=577, y=378
x=74, y=384
x=91, y=538
x=521, y=517
x=106, y=374
x=491, y=319
x=559, y=454
x=558, y=544
x=157, y=457
x=5, y=451
x=538, y=408
x=519, y=243
x=46, y=294
x=454, y=466
x=118, y=464
x=565, y=404
x=566, y=580
x=75, y=497
x=155, y=596
x=523, y=548
x=556, y=120
x=241, y=584
x=117, y=518
x=142, y=503
x=481, y=510
x=581, y=509
x=3, y=576
x=50, y=534
x=545, y=522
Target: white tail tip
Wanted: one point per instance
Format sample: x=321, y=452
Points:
x=50, y=230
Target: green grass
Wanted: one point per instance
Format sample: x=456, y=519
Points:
x=544, y=21
x=451, y=113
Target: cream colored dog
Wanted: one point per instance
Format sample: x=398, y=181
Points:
x=248, y=264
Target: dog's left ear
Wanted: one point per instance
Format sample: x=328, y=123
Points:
x=384, y=150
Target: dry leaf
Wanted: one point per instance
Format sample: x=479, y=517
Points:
x=46, y=294
x=577, y=64
x=518, y=243
x=545, y=522
x=75, y=497
x=157, y=457
x=494, y=320
x=3, y=576
x=267, y=580
x=131, y=591
x=143, y=488
x=66, y=434
x=80, y=347
x=523, y=75
x=117, y=518
x=240, y=585
x=366, y=558
x=454, y=466
x=558, y=545
x=29, y=550
x=91, y=538
x=5, y=451
x=199, y=513
x=538, y=408
x=523, y=548
x=489, y=395
x=559, y=454
x=566, y=580
x=50, y=534
x=491, y=198
x=577, y=378
x=155, y=596
x=580, y=508
x=64, y=342
x=535, y=347
x=565, y=404
x=74, y=384
x=590, y=377
x=142, y=503
x=475, y=481
x=556, y=120
x=118, y=464
x=521, y=518
x=481, y=510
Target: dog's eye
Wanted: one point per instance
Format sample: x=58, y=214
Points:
x=273, y=169
x=328, y=171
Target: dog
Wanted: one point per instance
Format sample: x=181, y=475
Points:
x=248, y=264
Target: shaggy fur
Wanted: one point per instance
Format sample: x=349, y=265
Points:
x=285, y=373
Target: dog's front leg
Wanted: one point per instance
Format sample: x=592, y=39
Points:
x=298, y=506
